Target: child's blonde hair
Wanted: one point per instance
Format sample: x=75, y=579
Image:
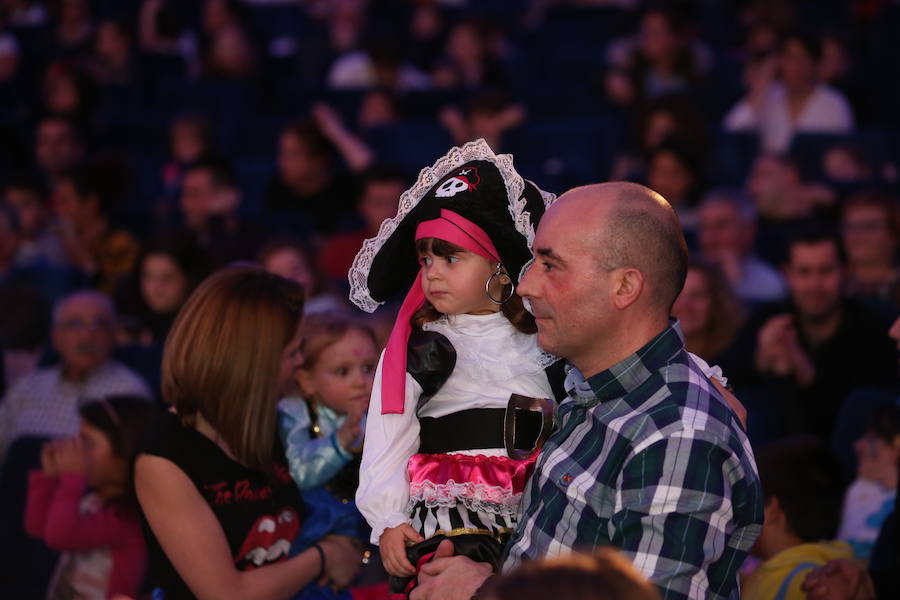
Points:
x=321, y=330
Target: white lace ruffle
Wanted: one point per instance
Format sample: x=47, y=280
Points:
x=477, y=497
x=428, y=177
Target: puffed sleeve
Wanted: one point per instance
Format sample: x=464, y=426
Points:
x=390, y=440
x=311, y=461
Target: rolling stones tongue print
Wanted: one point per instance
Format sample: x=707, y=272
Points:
x=269, y=540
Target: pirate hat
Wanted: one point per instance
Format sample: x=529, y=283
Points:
x=471, y=181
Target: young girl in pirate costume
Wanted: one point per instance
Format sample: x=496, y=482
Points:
x=459, y=405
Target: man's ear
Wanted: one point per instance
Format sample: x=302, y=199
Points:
x=628, y=286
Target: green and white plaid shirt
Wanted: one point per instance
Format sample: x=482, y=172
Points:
x=649, y=458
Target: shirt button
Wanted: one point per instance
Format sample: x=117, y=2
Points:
x=565, y=479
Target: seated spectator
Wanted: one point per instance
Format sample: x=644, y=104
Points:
x=112, y=62
x=672, y=116
x=802, y=486
x=10, y=235
x=92, y=243
x=39, y=245
x=604, y=575
x=783, y=200
x=489, y=116
x=811, y=348
x=845, y=163
x=661, y=59
x=796, y=103
x=378, y=108
x=307, y=185
x=872, y=496
x=166, y=274
x=381, y=190
x=58, y=146
x=871, y=234
x=23, y=331
x=81, y=501
x=709, y=312
x=210, y=203
x=45, y=402
x=290, y=259
x=68, y=92
x=190, y=140
x=726, y=231
x=381, y=65
x=674, y=170
x=74, y=28
x=468, y=61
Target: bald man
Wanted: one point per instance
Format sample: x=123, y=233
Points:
x=646, y=455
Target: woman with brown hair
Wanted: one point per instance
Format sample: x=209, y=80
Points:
x=220, y=509
x=709, y=312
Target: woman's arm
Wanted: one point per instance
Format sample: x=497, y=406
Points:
x=390, y=440
x=195, y=543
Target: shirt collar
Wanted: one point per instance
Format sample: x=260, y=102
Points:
x=626, y=375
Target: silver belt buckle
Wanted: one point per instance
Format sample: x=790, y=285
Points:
x=517, y=402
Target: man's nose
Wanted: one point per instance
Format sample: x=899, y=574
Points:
x=526, y=283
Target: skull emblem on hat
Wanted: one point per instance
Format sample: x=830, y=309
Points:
x=466, y=179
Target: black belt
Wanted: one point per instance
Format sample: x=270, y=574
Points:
x=478, y=429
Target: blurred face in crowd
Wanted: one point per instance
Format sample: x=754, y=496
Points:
x=464, y=45
x=876, y=458
x=290, y=264
x=660, y=124
x=670, y=177
x=798, y=67
x=843, y=165
x=894, y=333
x=657, y=39
x=164, y=285
x=69, y=206
x=29, y=207
x=83, y=333
x=296, y=164
x=202, y=197
x=867, y=236
x=61, y=94
x=814, y=277
x=377, y=109
x=723, y=230
x=342, y=375
x=9, y=240
x=693, y=306
x=379, y=202
x=188, y=143
x=773, y=185
x=56, y=146
x=231, y=54
x=112, y=44
x=835, y=61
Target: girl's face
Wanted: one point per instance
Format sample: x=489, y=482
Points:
x=454, y=284
x=106, y=472
x=163, y=284
x=341, y=378
x=692, y=308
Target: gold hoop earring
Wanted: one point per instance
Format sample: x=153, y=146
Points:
x=504, y=280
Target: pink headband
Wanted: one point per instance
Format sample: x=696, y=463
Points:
x=449, y=227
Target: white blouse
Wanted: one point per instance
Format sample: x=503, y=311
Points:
x=493, y=360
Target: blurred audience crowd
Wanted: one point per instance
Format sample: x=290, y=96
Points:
x=146, y=143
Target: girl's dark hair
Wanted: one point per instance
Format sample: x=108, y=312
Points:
x=125, y=421
x=513, y=309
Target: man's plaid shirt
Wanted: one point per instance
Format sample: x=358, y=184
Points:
x=647, y=457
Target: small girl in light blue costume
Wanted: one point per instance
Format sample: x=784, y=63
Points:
x=322, y=430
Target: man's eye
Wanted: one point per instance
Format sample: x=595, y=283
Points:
x=547, y=266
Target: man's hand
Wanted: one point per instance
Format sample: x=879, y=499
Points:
x=393, y=549
x=839, y=579
x=448, y=577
